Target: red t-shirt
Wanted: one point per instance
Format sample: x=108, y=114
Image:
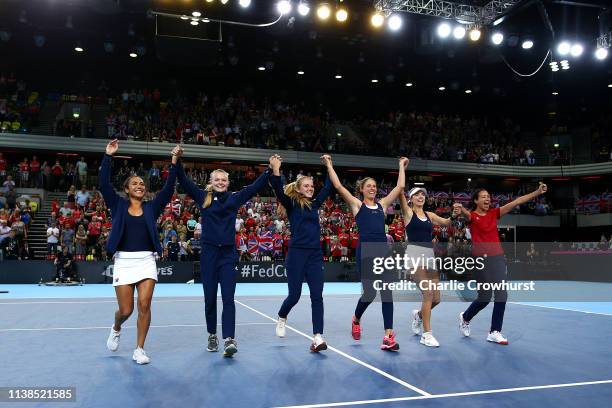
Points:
x=34, y=166
x=485, y=239
x=24, y=167
x=2, y=164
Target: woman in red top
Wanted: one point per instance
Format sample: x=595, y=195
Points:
x=485, y=243
x=56, y=172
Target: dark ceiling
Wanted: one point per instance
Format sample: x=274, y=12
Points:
x=354, y=49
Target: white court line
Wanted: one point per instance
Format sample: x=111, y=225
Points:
x=343, y=354
x=562, y=308
x=451, y=395
x=124, y=327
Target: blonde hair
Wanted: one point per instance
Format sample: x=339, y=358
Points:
x=360, y=183
x=291, y=191
x=209, y=188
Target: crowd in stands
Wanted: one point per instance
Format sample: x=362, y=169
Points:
x=16, y=213
x=239, y=122
x=19, y=107
x=82, y=222
x=53, y=175
x=447, y=137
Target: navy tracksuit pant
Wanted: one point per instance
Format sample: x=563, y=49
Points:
x=218, y=267
x=303, y=263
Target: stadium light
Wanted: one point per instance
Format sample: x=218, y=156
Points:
x=283, y=7
x=377, y=20
x=323, y=12
x=395, y=22
x=303, y=9
x=475, y=34
x=341, y=15
x=527, y=44
x=576, y=50
x=459, y=32
x=444, y=30
x=244, y=3
x=497, y=38
x=564, y=48
x=601, y=53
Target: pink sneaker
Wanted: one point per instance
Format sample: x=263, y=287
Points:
x=389, y=343
x=355, y=330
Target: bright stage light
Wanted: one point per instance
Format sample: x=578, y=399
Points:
x=377, y=20
x=341, y=15
x=303, y=9
x=601, y=53
x=497, y=38
x=444, y=30
x=576, y=50
x=395, y=22
x=196, y=14
x=323, y=12
x=564, y=48
x=244, y=3
x=283, y=7
x=475, y=34
x=527, y=44
x=459, y=32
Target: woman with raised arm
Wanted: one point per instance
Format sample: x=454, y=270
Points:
x=370, y=218
x=218, y=256
x=134, y=241
x=485, y=244
x=304, y=258
x=419, y=227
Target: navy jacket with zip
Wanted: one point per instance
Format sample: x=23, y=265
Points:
x=219, y=219
x=304, y=222
x=119, y=206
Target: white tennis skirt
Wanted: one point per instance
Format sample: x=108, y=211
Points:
x=132, y=267
x=424, y=255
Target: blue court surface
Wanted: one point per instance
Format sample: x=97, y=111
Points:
x=559, y=353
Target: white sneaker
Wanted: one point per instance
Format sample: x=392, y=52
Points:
x=429, y=340
x=497, y=337
x=280, y=326
x=464, y=327
x=417, y=323
x=113, y=339
x=140, y=356
x=318, y=344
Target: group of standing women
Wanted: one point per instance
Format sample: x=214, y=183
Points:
x=134, y=242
